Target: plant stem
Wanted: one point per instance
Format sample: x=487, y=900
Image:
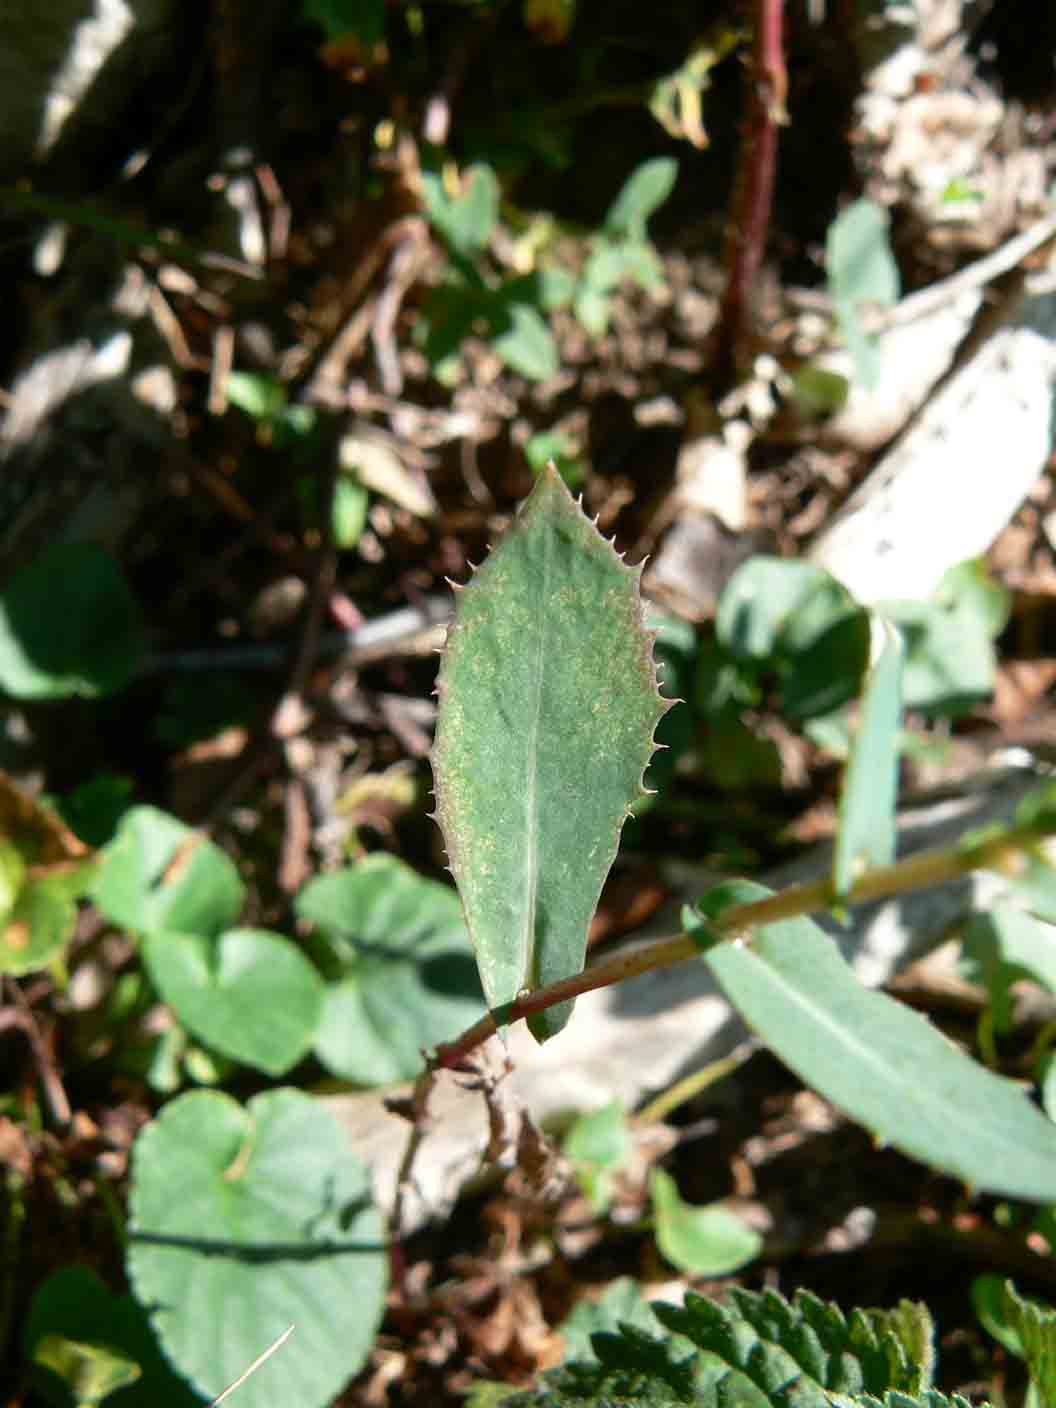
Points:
x=918, y=872
x=766, y=87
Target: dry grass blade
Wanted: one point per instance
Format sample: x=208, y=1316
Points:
x=260, y=1359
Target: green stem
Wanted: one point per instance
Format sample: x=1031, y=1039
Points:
x=692, y=1085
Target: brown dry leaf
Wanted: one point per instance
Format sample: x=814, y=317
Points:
x=38, y=832
x=15, y=1153
x=377, y=801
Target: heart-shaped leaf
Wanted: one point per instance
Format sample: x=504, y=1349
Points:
x=158, y=874
x=403, y=978
x=548, y=702
x=40, y=923
x=245, y=1220
x=250, y=994
x=74, y=1307
x=598, y=1145
x=68, y=625
x=703, y=1241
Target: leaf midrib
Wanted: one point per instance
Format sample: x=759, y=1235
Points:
x=531, y=850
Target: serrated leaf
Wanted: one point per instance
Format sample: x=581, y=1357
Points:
x=548, y=702
x=622, y=1303
x=799, y=1352
x=866, y=834
x=245, y=1220
x=883, y=1064
x=400, y=964
x=74, y=1304
x=158, y=874
x=249, y=994
x=69, y=625
x=702, y=1241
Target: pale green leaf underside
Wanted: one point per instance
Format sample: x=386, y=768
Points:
x=884, y=1064
x=548, y=702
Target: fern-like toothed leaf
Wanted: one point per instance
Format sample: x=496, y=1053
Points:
x=1036, y=1327
x=548, y=702
x=757, y=1350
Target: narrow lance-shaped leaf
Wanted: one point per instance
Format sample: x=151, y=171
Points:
x=548, y=702
x=870, y=784
x=869, y=1054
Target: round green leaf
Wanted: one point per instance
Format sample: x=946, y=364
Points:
x=74, y=1306
x=38, y=926
x=404, y=979
x=68, y=625
x=158, y=874
x=250, y=994
x=598, y=1146
x=703, y=1241
x=243, y=1221
x=771, y=606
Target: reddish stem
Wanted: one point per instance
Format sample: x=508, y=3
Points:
x=767, y=88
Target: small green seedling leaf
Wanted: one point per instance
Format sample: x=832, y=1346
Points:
x=525, y=342
x=402, y=978
x=862, y=271
x=1003, y=946
x=265, y=1211
x=157, y=874
x=91, y=1372
x=950, y=660
x=12, y=875
x=249, y=994
x=643, y=193
x=774, y=608
x=465, y=221
x=991, y=1308
x=73, y=1308
x=41, y=922
x=363, y=19
x=701, y=1241
x=1024, y=1327
x=349, y=515
x=260, y=397
x=865, y=1052
x=598, y=1145
x=866, y=835
x=548, y=702
x=69, y=625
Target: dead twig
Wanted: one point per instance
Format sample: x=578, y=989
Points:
x=20, y=1015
